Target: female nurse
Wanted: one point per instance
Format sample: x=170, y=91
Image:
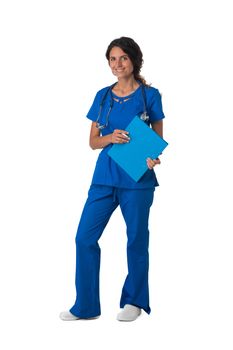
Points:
x=112, y=110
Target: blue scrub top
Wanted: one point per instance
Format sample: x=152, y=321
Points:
x=107, y=172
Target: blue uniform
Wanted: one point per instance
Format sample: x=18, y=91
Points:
x=111, y=186
x=107, y=172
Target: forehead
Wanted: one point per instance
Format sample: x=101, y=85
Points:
x=117, y=52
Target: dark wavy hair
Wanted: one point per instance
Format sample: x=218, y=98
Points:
x=132, y=49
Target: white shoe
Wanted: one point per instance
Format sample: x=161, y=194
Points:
x=68, y=316
x=129, y=313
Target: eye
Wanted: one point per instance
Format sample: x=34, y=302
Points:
x=124, y=58
x=112, y=59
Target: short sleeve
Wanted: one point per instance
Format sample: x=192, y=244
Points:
x=94, y=110
x=155, y=106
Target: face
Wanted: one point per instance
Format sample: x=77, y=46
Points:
x=120, y=63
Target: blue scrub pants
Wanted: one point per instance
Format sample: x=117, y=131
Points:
x=101, y=203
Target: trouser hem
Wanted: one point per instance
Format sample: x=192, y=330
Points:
x=82, y=315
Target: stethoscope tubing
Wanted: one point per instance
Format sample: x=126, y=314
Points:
x=144, y=115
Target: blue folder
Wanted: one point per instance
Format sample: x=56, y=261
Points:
x=144, y=142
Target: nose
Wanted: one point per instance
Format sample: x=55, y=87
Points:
x=118, y=62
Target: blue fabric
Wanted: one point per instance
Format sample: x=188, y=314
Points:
x=101, y=203
x=107, y=172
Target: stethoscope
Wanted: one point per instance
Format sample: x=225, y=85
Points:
x=143, y=116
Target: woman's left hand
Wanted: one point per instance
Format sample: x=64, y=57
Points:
x=152, y=162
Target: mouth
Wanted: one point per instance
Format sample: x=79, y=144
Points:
x=119, y=70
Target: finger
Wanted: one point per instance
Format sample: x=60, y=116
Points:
x=152, y=162
x=149, y=163
x=122, y=131
x=122, y=140
x=119, y=140
x=157, y=161
x=122, y=134
x=149, y=166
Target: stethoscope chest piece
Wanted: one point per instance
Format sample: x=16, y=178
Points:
x=144, y=117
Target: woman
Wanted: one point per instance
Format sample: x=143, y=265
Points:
x=112, y=110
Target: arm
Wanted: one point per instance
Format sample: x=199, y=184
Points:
x=157, y=127
x=96, y=141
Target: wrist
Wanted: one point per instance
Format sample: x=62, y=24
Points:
x=109, y=138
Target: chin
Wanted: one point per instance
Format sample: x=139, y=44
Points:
x=122, y=75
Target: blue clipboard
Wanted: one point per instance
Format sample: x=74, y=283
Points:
x=144, y=143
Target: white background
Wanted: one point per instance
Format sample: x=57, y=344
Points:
x=52, y=62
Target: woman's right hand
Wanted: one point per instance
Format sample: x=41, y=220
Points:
x=120, y=136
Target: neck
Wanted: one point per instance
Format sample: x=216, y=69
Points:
x=127, y=84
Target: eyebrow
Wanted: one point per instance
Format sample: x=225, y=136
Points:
x=119, y=56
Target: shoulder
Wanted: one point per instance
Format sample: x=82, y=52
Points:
x=152, y=92
x=103, y=91
x=153, y=95
x=154, y=103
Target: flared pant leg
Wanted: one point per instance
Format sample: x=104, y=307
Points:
x=135, y=206
x=97, y=211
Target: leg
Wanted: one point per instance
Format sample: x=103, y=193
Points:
x=135, y=207
x=96, y=214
